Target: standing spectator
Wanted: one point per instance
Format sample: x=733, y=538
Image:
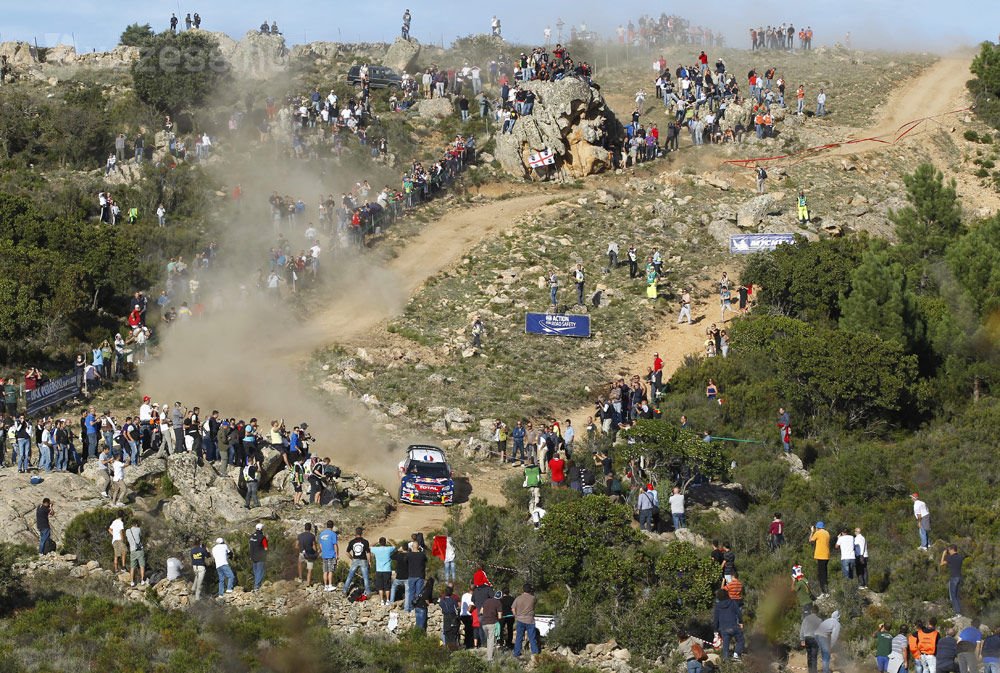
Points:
x=449, y=557
x=826, y=637
x=927, y=637
x=422, y=603
x=402, y=575
x=923, y=517
x=645, y=508
x=633, y=262
x=466, y=609
x=954, y=559
x=900, y=645
x=845, y=543
x=118, y=491
x=820, y=537
x=220, y=556
x=991, y=651
x=553, y=288
x=329, y=550
x=761, y=177
x=449, y=618
x=861, y=557
x=382, y=553
x=258, y=555
x=578, y=278
x=136, y=553
x=308, y=551
x=821, y=103
x=677, y=509
x=42, y=514
x=490, y=613
x=359, y=551
x=685, y=307
x=524, y=620
x=250, y=475
x=728, y=562
x=118, y=548
x=969, y=640
x=727, y=621
x=785, y=429
x=416, y=568
x=776, y=532
x=198, y=556
x=807, y=638
x=883, y=648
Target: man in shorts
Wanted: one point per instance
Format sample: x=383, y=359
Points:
x=308, y=552
x=117, y=530
x=329, y=551
x=137, y=553
x=383, y=568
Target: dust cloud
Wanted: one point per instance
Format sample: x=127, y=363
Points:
x=247, y=355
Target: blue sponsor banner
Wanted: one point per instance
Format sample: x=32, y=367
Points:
x=744, y=244
x=51, y=393
x=557, y=324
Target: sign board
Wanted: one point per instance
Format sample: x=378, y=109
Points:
x=557, y=324
x=744, y=244
x=51, y=393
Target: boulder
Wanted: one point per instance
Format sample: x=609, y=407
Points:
x=435, y=108
x=721, y=230
x=258, y=56
x=71, y=494
x=61, y=54
x=569, y=118
x=795, y=465
x=19, y=54
x=751, y=213
x=402, y=55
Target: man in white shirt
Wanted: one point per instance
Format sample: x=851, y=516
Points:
x=845, y=543
x=174, y=567
x=449, y=560
x=465, y=615
x=923, y=517
x=118, y=493
x=677, y=509
x=220, y=555
x=117, y=530
x=861, y=557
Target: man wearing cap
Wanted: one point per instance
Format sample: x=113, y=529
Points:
x=220, y=555
x=489, y=619
x=258, y=555
x=177, y=422
x=145, y=416
x=198, y=556
x=923, y=517
x=820, y=537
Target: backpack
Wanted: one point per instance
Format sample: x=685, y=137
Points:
x=762, y=174
x=698, y=652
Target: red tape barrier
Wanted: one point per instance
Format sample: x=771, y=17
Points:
x=807, y=153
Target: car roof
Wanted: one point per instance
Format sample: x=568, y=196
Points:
x=425, y=453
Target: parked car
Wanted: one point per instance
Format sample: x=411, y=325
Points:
x=379, y=77
x=425, y=477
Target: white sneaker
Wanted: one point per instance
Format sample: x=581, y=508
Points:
x=132, y=584
x=328, y=588
x=229, y=591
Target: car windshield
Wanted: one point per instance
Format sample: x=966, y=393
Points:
x=431, y=470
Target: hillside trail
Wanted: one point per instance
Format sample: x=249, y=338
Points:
x=931, y=96
x=354, y=316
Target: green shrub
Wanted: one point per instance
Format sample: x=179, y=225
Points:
x=87, y=535
x=971, y=136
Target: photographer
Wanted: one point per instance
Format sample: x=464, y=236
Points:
x=42, y=514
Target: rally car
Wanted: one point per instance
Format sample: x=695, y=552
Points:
x=425, y=477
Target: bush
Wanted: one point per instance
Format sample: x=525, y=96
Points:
x=11, y=587
x=87, y=534
x=176, y=72
x=971, y=136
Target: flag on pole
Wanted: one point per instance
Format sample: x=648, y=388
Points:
x=545, y=157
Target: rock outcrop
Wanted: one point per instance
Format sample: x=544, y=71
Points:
x=751, y=213
x=402, y=55
x=256, y=56
x=436, y=108
x=569, y=118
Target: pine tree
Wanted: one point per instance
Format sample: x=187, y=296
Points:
x=932, y=220
x=881, y=302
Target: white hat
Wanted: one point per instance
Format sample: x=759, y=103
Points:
x=219, y=540
x=260, y=526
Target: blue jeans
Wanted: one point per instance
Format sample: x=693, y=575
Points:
x=43, y=539
x=729, y=636
x=694, y=666
x=820, y=109
x=359, y=564
x=925, y=537
x=847, y=566
x=258, y=574
x=518, y=453
x=406, y=592
x=420, y=615
x=92, y=440
x=226, y=578
x=414, y=586
x=133, y=451
x=824, y=652
x=520, y=629
x=449, y=571
x=44, y=457
x=61, y=451
x=552, y=294
x=646, y=519
x=23, y=454
x=679, y=521
x=954, y=584
x=109, y=440
x=991, y=667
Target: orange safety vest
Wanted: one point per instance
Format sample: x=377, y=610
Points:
x=927, y=642
x=768, y=120
x=759, y=119
x=911, y=642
